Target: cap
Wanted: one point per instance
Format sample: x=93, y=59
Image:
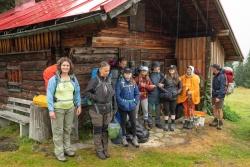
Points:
x=144, y=68
x=127, y=70
x=172, y=67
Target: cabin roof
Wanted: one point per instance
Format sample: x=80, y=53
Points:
x=33, y=16
x=33, y=13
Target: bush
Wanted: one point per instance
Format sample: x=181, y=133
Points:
x=230, y=114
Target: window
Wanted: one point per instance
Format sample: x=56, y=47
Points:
x=14, y=77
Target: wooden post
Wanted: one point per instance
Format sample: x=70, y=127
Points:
x=40, y=125
x=24, y=130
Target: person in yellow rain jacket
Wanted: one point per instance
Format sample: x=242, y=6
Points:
x=190, y=95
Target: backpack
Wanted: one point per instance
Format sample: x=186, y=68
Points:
x=229, y=75
x=48, y=73
x=94, y=72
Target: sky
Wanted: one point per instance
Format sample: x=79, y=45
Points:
x=238, y=14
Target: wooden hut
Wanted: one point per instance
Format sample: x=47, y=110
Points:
x=34, y=35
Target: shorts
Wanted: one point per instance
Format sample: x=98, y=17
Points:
x=218, y=105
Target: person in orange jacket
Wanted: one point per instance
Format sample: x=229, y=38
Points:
x=190, y=95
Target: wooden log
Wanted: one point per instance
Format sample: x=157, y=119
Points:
x=33, y=85
x=3, y=91
x=81, y=58
x=3, y=83
x=72, y=42
x=40, y=124
x=34, y=65
x=32, y=75
x=84, y=69
x=2, y=74
x=89, y=50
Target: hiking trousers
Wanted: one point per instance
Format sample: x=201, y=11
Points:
x=61, y=129
x=100, y=122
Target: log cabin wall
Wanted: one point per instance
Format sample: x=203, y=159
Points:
x=217, y=53
x=191, y=51
x=84, y=56
x=95, y=43
x=22, y=61
x=139, y=38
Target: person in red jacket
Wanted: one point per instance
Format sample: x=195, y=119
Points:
x=145, y=85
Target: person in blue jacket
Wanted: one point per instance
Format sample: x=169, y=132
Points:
x=218, y=94
x=63, y=96
x=127, y=97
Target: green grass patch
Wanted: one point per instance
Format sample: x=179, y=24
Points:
x=229, y=114
x=239, y=103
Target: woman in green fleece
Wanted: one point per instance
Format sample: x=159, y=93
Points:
x=63, y=96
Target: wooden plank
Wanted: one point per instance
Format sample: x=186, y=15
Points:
x=18, y=108
x=18, y=100
x=81, y=69
x=14, y=117
x=3, y=82
x=73, y=42
x=33, y=65
x=2, y=74
x=90, y=50
x=81, y=58
x=32, y=75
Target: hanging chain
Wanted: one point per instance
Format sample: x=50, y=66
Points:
x=197, y=23
x=207, y=16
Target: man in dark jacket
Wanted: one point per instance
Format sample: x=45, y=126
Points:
x=218, y=95
x=154, y=96
x=101, y=92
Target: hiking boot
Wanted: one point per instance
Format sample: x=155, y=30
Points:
x=70, y=153
x=106, y=153
x=135, y=141
x=166, y=127
x=185, y=125
x=101, y=155
x=214, y=123
x=150, y=126
x=159, y=126
x=61, y=158
x=124, y=141
x=190, y=125
x=146, y=125
x=220, y=124
x=172, y=127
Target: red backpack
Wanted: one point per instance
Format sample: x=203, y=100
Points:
x=48, y=73
x=229, y=74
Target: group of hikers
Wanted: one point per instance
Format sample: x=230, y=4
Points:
x=126, y=90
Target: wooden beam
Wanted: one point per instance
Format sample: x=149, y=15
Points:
x=223, y=33
x=200, y=12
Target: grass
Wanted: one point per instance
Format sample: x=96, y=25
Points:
x=234, y=152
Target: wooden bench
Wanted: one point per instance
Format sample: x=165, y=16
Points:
x=17, y=110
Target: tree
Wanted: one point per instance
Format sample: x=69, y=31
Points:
x=242, y=73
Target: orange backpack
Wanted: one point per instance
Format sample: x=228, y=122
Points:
x=48, y=73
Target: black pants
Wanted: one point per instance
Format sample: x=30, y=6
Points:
x=132, y=119
x=169, y=107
